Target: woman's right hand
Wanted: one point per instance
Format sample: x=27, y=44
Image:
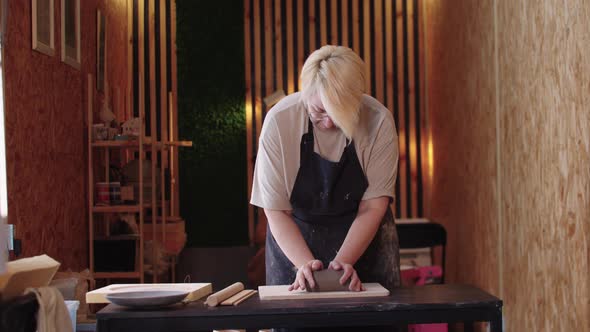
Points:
x=305, y=272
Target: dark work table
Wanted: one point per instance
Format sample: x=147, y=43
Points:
x=424, y=304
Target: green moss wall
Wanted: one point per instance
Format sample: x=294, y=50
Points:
x=213, y=184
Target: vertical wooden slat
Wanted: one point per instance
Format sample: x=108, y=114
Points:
x=401, y=98
x=90, y=101
x=290, y=42
x=312, y=26
x=367, y=43
x=418, y=108
x=412, y=99
x=257, y=69
x=389, y=85
x=129, y=90
x=174, y=103
x=164, y=115
x=345, y=23
x=378, y=49
x=300, y=49
x=249, y=162
x=427, y=138
x=268, y=47
x=153, y=128
x=355, y=27
x=278, y=45
x=323, y=20
x=140, y=47
x=334, y=23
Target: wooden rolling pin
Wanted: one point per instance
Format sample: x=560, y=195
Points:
x=217, y=298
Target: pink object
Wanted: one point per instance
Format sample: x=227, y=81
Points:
x=418, y=276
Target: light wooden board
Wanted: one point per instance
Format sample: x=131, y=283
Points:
x=282, y=293
x=196, y=290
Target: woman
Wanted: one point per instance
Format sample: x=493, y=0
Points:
x=325, y=175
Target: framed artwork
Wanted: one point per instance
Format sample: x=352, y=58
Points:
x=101, y=47
x=43, y=26
x=70, y=33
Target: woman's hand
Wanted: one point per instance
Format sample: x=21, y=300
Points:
x=305, y=272
x=349, y=272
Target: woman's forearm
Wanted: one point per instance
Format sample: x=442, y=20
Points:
x=288, y=237
x=363, y=230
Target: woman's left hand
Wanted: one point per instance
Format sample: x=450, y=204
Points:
x=349, y=273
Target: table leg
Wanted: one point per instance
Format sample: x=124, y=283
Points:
x=496, y=322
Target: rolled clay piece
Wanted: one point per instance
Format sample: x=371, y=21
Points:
x=222, y=295
x=327, y=280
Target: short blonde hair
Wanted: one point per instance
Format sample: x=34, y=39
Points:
x=337, y=75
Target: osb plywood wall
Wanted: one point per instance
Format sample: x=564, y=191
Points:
x=508, y=95
x=460, y=86
x=46, y=157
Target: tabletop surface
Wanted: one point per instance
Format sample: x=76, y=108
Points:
x=448, y=296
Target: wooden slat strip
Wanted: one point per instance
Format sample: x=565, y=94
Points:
x=355, y=27
x=163, y=114
x=379, y=50
x=344, y=28
x=334, y=23
x=290, y=42
x=426, y=142
x=129, y=89
x=312, y=26
x=249, y=160
x=367, y=43
x=412, y=111
x=174, y=102
x=389, y=68
x=153, y=125
x=278, y=45
x=140, y=46
x=300, y=49
x=323, y=20
x=420, y=138
x=268, y=47
x=257, y=71
x=90, y=115
x=401, y=97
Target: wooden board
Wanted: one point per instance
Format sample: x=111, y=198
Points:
x=196, y=290
x=282, y=293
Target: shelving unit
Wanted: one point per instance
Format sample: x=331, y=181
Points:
x=100, y=216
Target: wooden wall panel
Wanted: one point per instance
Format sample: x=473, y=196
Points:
x=461, y=105
x=544, y=87
x=45, y=126
x=511, y=133
x=381, y=32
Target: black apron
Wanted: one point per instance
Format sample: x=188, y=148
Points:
x=325, y=201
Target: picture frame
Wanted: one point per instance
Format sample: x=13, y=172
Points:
x=42, y=26
x=101, y=47
x=70, y=33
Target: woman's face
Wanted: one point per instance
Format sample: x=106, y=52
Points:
x=318, y=114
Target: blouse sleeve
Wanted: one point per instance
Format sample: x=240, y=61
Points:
x=269, y=189
x=381, y=169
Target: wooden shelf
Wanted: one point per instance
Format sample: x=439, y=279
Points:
x=116, y=144
x=135, y=144
x=117, y=275
x=116, y=208
x=117, y=237
x=122, y=208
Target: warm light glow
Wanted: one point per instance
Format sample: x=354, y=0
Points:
x=248, y=114
x=430, y=149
